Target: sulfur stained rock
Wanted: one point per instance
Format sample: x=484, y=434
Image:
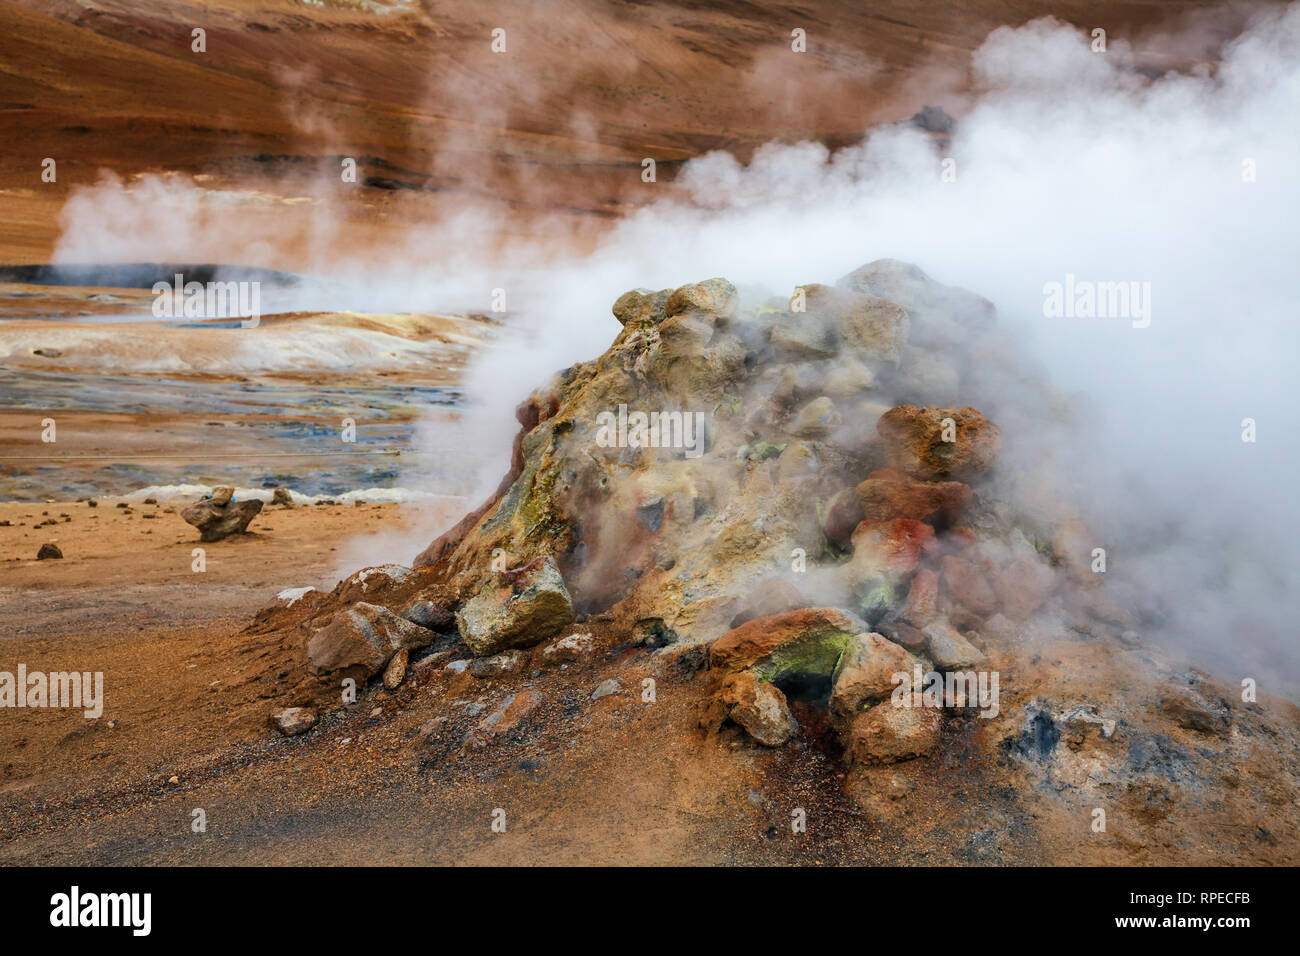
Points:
x=938, y=443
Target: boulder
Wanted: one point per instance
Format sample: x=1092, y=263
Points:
x=365, y=636
x=716, y=297
x=890, y=733
x=888, y=494
x=216, y=521
x=531, y=606
x=641, y=305
x=938, y=443
x=281, y=496
x=867, y=324
x=816, y=419
x=823, y=632
x=48, y=551
x=759, y=707
x=948, y=649
x=429, y=614
x=865, y=674
x=221, y=495
x=966, y=583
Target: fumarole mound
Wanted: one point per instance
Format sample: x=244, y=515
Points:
x=802, y=513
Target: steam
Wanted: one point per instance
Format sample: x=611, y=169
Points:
x=1068, y=163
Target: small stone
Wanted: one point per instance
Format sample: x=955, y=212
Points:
x=221, y=495
x=281, y=496
x=47, y=551
x=569, y=650
x=948, y=649
x=605, y=688
x=458, y=667
x=294, y=720
x=395, y=672
x=497, y=665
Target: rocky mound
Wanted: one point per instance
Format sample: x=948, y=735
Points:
x=794, y=503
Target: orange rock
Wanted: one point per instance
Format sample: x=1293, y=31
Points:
x=923, y=598
x=754, y=640
x=930, y=443
x=891, y=494
x=892, y=547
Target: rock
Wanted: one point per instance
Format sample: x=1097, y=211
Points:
x=605, y=688
x=507, y=662
x=891, y=494
x=821, y=632
x=1023, y=585
x=948, y=649
x=922, y=604
x=532, y=607
x=889, y=733
x=866, y=323
x=221, y=495
x=759, y=707
x=933, y=119
x=802, y=336
x=1191, y=714
x=938, y=315
x=428, y=614
x=843, y=515
x=294, y=720
x=365, y=636
x=47, y=551
x=458, y=667
x=865, y=674
x=889, y=549
x=509, y=715
x=47, y=352
x=395, y=672
x=569, y=650
x=816, y=419
x=715, y=297
x=281, y=496
x=916, y=440
x=217, y=521
x=966, y=584
x=641, y=305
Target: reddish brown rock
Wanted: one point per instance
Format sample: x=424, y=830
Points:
x=890, y=547
x=756, y=639
x=966, y=584
x=509, y=715
x=759, y=707
x=891, y=494
x=922, y=598
x=915, y=439
x=889, y=733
